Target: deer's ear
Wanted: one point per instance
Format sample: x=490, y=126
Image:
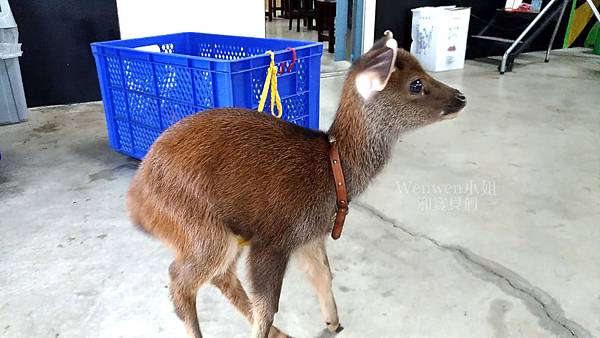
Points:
x=378, y=66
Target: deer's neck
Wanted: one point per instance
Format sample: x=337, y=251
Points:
x=364, y=143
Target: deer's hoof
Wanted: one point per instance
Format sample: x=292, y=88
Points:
x=274, y=332
x=335, y=327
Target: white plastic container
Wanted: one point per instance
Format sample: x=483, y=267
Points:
x=6, y=18
x=439, y=37
x=513, y=4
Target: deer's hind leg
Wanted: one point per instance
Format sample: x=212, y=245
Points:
x=267, y=266
x=232, y=288
x=208, y=254
x=185, y=282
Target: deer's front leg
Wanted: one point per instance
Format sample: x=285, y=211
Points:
x=313, y=259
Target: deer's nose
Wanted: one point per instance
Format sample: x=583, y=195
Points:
x=460, y=97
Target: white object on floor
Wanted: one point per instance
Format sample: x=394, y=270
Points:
x=439, y=36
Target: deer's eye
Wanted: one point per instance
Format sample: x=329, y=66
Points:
x=416, y=87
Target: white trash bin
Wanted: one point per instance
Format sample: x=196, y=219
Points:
x=13, y=107
x=439, y=37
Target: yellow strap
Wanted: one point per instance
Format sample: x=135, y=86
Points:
x=242, y=242
x=272, y=81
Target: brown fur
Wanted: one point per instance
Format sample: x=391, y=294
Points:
x=229, y=173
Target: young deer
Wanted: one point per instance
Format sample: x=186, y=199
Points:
x=229, y=174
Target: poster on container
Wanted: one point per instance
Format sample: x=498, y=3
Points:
x=439, y=36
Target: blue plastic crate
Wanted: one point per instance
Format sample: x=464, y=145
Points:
x=148, y=84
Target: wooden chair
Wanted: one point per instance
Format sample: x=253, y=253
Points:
x=301, y=9
x=325, y=11
x=272, y=8
x=269, y=11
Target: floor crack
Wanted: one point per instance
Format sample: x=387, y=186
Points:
x=550, y=309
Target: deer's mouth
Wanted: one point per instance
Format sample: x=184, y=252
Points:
x=448, y=115
x=451, y=111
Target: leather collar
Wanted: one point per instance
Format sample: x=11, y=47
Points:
x=340, y=189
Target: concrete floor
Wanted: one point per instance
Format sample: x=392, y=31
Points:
x=516, y=256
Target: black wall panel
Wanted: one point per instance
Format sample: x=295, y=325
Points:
x=396, y=16
x=57, y=64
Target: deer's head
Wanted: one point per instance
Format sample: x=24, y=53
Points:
x=396, y=91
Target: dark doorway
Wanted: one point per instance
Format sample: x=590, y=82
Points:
x=57, y=64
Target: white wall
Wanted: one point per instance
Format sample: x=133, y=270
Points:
x=139, y=18
x=368, y=24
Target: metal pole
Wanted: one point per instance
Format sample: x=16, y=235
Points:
x=594, y=9
x=559, y=20
x=531, y=25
